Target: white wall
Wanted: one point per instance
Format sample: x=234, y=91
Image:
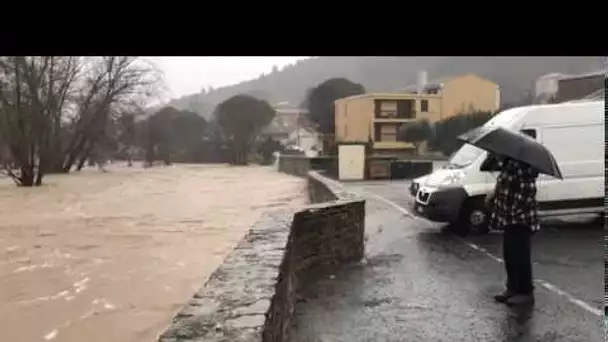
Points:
x=547, y=84
x=351, y=162
x=307, y=140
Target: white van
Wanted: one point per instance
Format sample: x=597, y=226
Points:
x=573, y=132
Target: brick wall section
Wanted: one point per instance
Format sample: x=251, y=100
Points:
x=251, y=296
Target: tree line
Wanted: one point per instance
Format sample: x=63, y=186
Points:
x=441, y=136
x=54, y=111
x=58, y=113
x=231, y=135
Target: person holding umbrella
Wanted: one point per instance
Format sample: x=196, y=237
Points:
x=513, y=203
x=514, y=208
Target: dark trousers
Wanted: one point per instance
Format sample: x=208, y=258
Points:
x=516, y=249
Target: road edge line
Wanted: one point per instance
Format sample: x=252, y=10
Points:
x=364, y=193
x=545, y=284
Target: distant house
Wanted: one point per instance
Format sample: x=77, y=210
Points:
x=277, y=130
x=458, y=94
x=378, y=117
x=305, y=139
x=546, y=87
x=576, y=87
x=291, y=127
x=285, y=121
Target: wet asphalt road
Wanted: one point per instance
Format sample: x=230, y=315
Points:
x=421, y=284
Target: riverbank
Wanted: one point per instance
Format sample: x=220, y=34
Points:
x=112, y=256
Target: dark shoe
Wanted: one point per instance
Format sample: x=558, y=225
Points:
x=519, y=299
x=503, y=297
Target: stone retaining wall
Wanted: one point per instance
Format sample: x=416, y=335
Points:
x=377, y=167
x=294, y=165
x=251, y=296
x=300, y=165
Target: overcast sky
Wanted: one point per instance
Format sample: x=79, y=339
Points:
x=188, y=75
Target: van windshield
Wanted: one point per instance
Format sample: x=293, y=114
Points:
x=464, y=157
x=468, y=154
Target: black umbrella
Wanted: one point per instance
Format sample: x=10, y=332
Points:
x=502, y=141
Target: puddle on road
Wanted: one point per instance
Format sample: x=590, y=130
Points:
x=113, y=256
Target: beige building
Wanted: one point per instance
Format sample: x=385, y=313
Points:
x=378, y=117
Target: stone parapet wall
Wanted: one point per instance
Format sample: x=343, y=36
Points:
x=377, y=167
x=294, y=165
x=297, y=165
x=251, y=296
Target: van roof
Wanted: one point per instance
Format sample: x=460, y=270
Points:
x=561, y=113
x=566, y=113
x=507, y=117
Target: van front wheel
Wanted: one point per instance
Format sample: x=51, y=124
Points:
x=473, y=218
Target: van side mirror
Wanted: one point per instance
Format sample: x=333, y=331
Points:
x=490, y=164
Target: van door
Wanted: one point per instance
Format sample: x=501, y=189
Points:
x=579, y=152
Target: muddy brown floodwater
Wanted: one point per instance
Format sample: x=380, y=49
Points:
x=113, y=256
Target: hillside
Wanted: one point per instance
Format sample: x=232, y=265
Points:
x=515, y=75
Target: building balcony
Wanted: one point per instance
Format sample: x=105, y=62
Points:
x=392, y=145
x=395, y=119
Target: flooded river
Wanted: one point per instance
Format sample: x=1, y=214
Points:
x=113, y=256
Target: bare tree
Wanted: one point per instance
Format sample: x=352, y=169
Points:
x=126, y=135
x=33, y=91
x=54, y=110
x=113, y=84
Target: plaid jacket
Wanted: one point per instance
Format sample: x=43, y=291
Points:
x=515, y=196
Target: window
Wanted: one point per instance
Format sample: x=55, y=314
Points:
x=388, y=106
x=388, y=129
x=529, y=132
x=388, y=137
x=465, y=156
x=388, y=114
x=424, y=106
x=402, y=128
x=388, y=133
x=405, y=109
x=386, y=109
x=385, y=132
